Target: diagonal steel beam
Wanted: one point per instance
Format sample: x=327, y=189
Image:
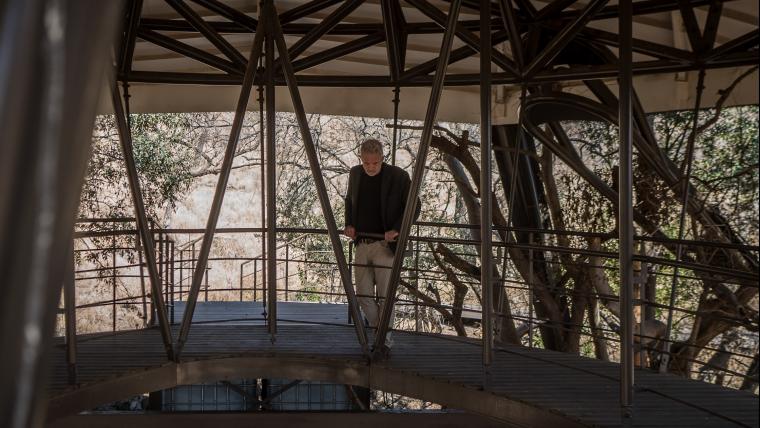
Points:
x=742, y=43
x=208, y=31
x=462, y=33
x=188, y=51
x=457, y=54
x=128, y=41
x=221, y=187
x=392, y=32
x=564, y=37
x=143, y=227
x=711, y=25
x=230, y=13
x=419, y=171
x=552, y=9
x=338, y=51
x=323, y=28
x=527, y=8
x=639, y=45
x=305, y=9
x=692, y=26
x=641, y=7
x=51, y=68
x=324, y=200
x=509, y=17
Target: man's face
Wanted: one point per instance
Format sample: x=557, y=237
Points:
x=371, y=162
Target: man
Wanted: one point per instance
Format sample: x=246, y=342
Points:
x=375, y=204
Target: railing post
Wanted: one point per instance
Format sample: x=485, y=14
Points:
x=417, y=281
x=241, y=281
x=113, y=283
x=530, y=289
x=171, y=276
x=287, y=270
x=70, y=307
x=205, y=281
x=181, y=272
x=142, y=282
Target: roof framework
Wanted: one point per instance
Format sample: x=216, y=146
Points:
x=355, y=45
x=354, y=53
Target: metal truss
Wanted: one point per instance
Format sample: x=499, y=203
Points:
x=508, y=21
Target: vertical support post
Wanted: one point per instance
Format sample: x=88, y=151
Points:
x=486, y=246
x=241, y=282
x=271, y=190
x=70, y=306
x=140, y=261
x=221, y=187
x=205, y=284
x=287, y=269
x=396, y=92
x=419, y=171
x=625, y=207
x=324, y=200
x=161, y=267
x=255, y=279
x=262, y=194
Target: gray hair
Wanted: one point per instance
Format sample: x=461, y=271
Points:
x=371, y=146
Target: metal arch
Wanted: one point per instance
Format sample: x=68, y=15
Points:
x=313, y=369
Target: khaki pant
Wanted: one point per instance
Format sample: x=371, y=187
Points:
x=372, y=280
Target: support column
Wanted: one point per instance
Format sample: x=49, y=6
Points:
x=50, y=89
x=419, y=172
x=221, y=186
x=143, y=227
x=271, y=160
x=485, y=186
x=324, y=200
x=625, y=208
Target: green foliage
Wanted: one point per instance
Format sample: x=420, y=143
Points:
x=162, y=163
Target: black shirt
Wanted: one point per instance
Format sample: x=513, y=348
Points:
x=368, y=217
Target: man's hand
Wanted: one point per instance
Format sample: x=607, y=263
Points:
x=391, y=235
x=350, y=232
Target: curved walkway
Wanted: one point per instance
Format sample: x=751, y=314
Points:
x=528, y=387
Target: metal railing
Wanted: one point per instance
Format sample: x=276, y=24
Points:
x=306, y=271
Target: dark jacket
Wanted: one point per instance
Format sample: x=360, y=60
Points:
x=394, y=189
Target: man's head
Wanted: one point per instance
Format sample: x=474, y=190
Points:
x=371, y=154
